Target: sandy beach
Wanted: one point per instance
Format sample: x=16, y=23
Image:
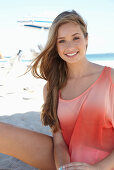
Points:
x=20, y=102
x=21, y=99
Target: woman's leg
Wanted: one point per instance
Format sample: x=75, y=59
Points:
x=31, y=147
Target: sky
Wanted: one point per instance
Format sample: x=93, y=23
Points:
x=99, y=15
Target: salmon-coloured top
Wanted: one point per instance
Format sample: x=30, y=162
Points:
x=87, y=121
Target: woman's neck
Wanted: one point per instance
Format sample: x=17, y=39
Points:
x=78, y=70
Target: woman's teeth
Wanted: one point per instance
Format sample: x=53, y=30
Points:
x=71, y=54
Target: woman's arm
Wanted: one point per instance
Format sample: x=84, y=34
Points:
x=61, y=153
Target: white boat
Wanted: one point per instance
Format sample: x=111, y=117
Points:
x=36, y=22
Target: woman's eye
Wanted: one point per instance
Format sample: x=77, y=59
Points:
x=61, y=41
x=76, y=38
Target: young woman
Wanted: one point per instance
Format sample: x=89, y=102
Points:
x=78, y=103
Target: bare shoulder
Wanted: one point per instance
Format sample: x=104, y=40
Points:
x=96, y=68
x=112, y=75
x=45, y=92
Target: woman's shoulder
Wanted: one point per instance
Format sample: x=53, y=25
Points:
x=112, y=75
x=99, y=68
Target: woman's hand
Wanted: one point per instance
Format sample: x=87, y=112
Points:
x=105, y=164
x=80, y=166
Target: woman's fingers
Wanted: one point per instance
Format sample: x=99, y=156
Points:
x=75, y=165
x=78, y=166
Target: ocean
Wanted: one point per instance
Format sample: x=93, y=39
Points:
x=106, y=59
x=103, y=59
x=100, y=57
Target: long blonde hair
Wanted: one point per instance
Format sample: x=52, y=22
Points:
x=53, y=69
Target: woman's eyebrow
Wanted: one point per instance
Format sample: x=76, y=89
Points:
x=72, y=35
x=76, y=34
x=60, y=37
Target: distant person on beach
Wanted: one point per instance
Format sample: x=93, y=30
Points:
x=78, y=105
x=19, y=54
x=13, y=61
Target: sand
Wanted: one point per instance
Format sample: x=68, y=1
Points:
x=20, y=102
x=21, y=99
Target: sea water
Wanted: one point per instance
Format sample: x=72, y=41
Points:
x=106, y=59
x=100, y=57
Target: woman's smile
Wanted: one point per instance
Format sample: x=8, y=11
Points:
x=72, y=55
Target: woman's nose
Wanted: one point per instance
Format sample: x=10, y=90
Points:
x=69, y=45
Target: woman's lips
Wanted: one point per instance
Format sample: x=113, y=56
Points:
x=71, y=54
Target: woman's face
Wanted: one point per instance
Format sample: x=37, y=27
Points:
x=71, y=43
